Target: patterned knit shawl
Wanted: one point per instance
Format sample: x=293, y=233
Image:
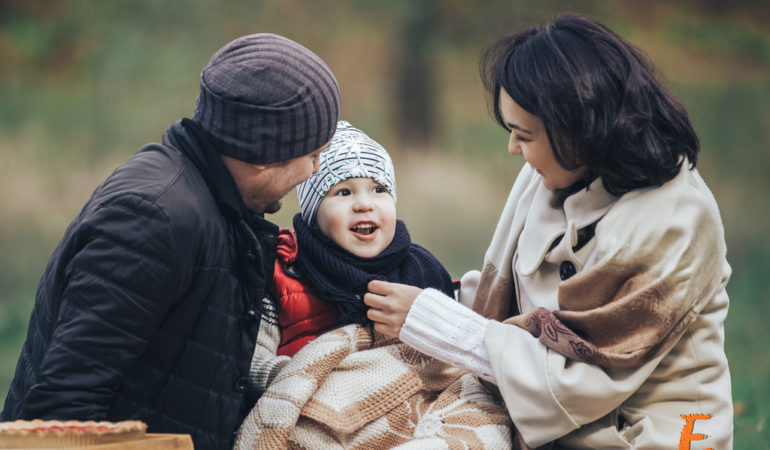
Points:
x=341, y=278
x=658, y=271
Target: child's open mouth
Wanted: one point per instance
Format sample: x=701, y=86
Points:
x=364, y=229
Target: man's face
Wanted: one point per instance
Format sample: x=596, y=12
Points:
x=262, y=186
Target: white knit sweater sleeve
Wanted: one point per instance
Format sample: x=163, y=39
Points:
x=439, y=326
x=265, y=364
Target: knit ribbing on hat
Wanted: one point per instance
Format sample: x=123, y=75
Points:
x=351, y=154
x=264, y=98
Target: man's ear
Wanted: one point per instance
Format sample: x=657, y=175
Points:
x=259, y=167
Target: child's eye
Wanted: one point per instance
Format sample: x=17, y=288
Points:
x=342, y=192
x=380, y=189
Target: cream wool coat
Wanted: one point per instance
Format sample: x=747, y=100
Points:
x=672, y=235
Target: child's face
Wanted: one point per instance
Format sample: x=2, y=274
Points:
x=359, y=214
x=530, y=140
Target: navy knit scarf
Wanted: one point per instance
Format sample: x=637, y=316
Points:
x=341, y=278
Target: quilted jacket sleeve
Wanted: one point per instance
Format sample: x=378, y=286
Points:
x=120, y=280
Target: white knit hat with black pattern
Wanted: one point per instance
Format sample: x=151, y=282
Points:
x=351, y=154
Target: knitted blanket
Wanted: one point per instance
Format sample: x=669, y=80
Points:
x=339, y=391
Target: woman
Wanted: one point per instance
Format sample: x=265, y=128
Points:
x=600, y=307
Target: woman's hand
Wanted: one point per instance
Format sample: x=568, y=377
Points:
x=389, y=304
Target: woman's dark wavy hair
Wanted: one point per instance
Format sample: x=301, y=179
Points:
x=598, y=99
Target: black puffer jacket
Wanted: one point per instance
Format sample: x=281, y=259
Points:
x=142, y=311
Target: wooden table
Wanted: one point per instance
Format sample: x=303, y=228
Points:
x=150, y=441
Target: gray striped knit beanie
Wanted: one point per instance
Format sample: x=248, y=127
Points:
x=351, y=154
x=264, y=98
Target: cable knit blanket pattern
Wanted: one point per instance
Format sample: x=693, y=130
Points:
x=339, y=391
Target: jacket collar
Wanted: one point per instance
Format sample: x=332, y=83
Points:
x=546, y=222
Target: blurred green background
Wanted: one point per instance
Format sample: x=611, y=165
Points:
x=84, y=83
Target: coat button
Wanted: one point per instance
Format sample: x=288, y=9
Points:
x=566, y=270
x=250, y=255
x=241, y=384
x=251, y=315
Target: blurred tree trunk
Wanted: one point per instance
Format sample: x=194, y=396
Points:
x=415, y=86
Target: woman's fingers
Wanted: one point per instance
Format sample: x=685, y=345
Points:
x=375, y=300
x=381, y=313
x=375, y=315
x=383, y=322
x=386, y=329
x=389, y=304
x=379, y=287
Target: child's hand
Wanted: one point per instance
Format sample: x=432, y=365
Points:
x=389, y=304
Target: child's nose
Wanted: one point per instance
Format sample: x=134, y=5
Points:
x=363, y=202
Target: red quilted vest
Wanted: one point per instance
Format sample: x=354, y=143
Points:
x=302, y=315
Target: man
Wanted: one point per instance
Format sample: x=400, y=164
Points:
x=150, y=305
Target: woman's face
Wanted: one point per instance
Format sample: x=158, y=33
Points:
x=530, y=140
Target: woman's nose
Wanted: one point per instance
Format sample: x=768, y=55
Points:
x=513, y=145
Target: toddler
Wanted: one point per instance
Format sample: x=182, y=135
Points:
x=346, y=235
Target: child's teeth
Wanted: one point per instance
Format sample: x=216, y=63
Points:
x=364, y=229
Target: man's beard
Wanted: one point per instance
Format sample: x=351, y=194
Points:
x=260, y=208
x=273, y=207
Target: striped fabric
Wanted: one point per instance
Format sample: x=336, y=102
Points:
x=351, y=154
x=264, y=98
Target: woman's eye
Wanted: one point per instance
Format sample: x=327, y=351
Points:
x=521, y=139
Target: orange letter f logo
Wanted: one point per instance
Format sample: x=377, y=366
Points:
x=687, y=435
